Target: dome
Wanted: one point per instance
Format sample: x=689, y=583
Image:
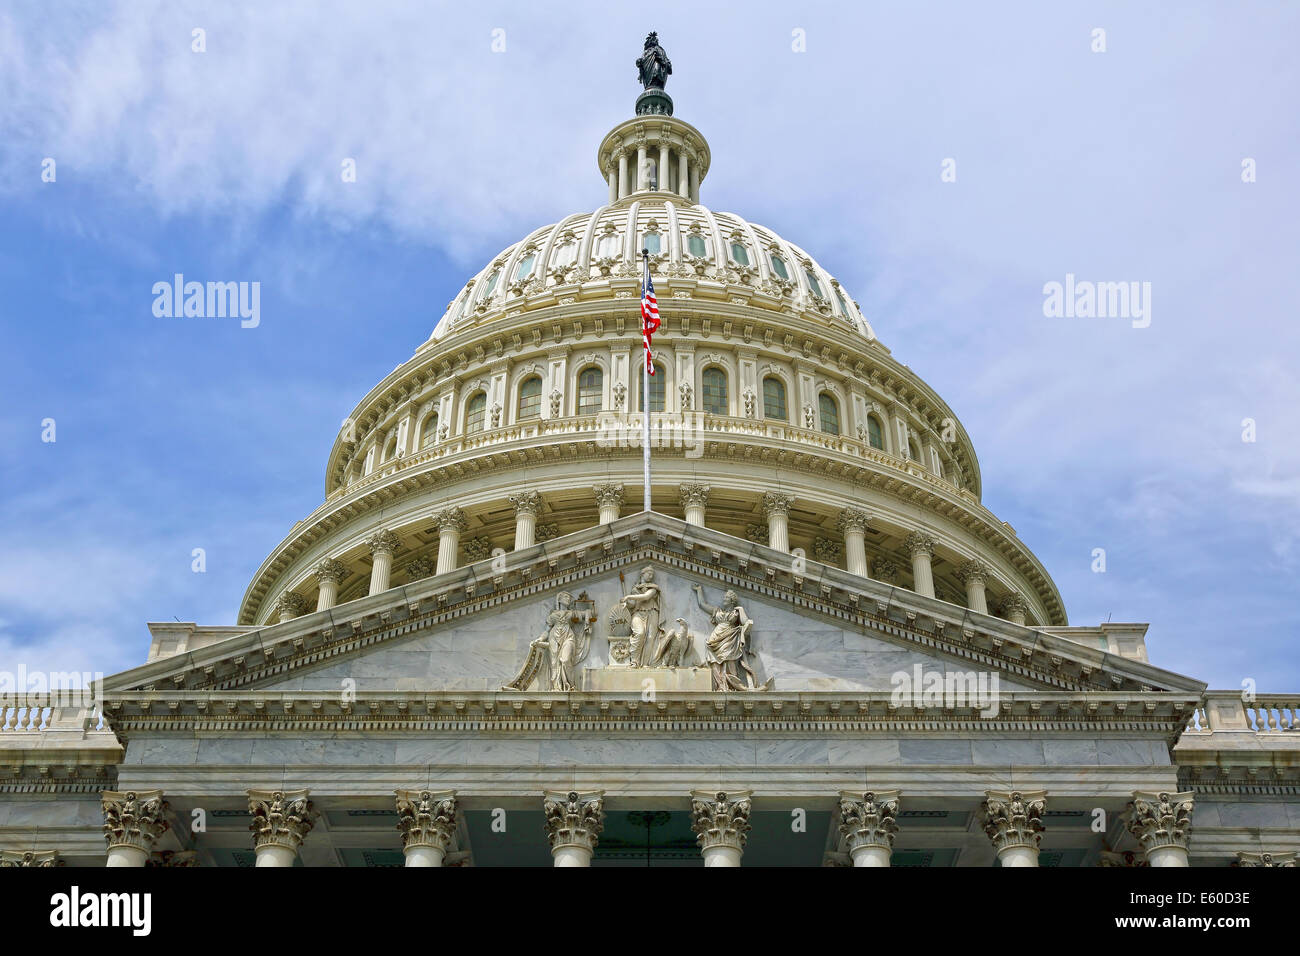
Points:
x=776, y=416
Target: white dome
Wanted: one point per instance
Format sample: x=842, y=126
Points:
x=696, y=251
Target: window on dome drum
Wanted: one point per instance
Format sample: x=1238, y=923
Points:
x=875, y=434
x=912, y=451
x=696, y=245
x=530, y=398
x=591, y=386
x=778, y=266
x=844, y=306
x=739, y=253
x=608, y=245
x=474, y=412
x=830, y=413
x=567, y=254
x=774, y=406
x=390, y=450
x=650, y=243
x=491, y=284
x=813, y=284
x=525, y=267
x=714, y=391
x=658, y=389
x=429, y=430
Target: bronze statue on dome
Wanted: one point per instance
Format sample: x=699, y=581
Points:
x=653, y=66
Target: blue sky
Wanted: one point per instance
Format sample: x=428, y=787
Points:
x=175, y=434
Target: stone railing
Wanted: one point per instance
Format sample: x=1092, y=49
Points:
x=1226, y=711
x=25, y=714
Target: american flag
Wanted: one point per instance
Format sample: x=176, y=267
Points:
x=649, y=317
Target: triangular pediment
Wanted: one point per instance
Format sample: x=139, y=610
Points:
x=816, y=628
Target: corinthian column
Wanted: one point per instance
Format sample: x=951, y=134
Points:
x=528, y=505
x=694, y=498
x=1014, y=608
x=451, y=524
x=383, y=545
x=1013, y=823
x=1160, y=822
x=291, y=605
x=328, y=575
x=853, y=524
x=777, y=508
x=720, y=822
x=427, y=819
x=573, y=824
x=868, y=825
x=281, y=820
x=921, y=547
x=133, y=821
x=609, y=499
x=973, y=574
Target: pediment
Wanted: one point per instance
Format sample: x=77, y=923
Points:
x=816, y=628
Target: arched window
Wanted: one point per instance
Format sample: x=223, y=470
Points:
x=530, y=398
x=658, y=389
x=830, y=413
x=591, y=388
x=912, y=451
x=525, y=267
x=490, y=286
x=714, y=391
x=813, y=284
x=774, y=406
x=875, y=434
x=778, y=266
x=474, y=411
x=429, y=430
x=390, y=450
x=739, y=254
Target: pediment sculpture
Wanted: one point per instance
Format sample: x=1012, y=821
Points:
x=728, y=644
x=553, y=658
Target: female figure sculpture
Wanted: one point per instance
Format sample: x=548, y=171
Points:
x=568, y=637
x=643, y=604
x=728, y=645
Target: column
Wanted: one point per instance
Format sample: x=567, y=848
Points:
x=382, y=544
x=527, y=507
x=640, y=168
x=612, y=177
x=694, y=194
x=1013, y=823
x=921, y=547
x=693, y=499
x=663, y=166
x=609, y=499
x=720, y=822
x=427, y=820
x=868, y=824
x=683, y=178
x=852, y=523
x=973, y=574
x=451, y=524
x=777, y=508
x=1160, y=821
x=291, y=605
x=1014, y=608
x=573, y=824
x=133, y=821
x=281, y=821
x=33, y=858
x=622, y=174
x=1287, y=859
x=328, y=575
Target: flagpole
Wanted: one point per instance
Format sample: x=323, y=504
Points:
x=645, y=397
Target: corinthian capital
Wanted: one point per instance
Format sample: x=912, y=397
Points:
x=1160, y=819
x=134, y=818
x=918, y=542
x=280, y=817
x=693, y=495
x=382, y=541
x=775, y=503
x=852, y=519
x=1266, y=859
x=291, y=605
x=527, y=502
x=574, y=819
x=868, y=819
x=608, y=494
x=451, y=519
x=331, y=570
x=1013, y=603
x=36, y=858
x=720, y=819
x=426, y=817
x=973, y=569
x=1014, y=818
x=419, y=569
x=885, y=570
